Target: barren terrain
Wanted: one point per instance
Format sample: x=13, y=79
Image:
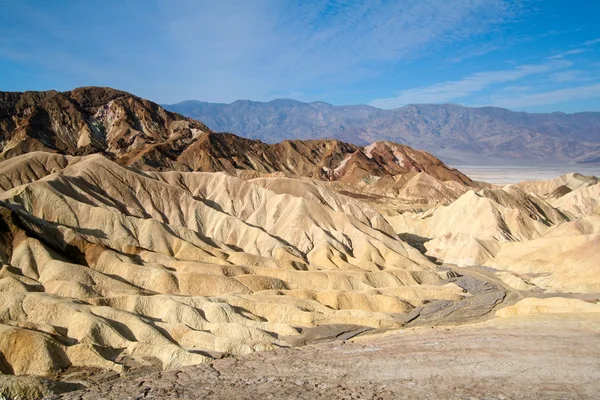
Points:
x=539, y=357
x=143, y=255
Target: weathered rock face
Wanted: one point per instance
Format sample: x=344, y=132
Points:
x=93, y=120
x=541, y=234
x=107, y=266
x=140, y=133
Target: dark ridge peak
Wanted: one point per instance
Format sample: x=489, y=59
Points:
x=93, y=96
x=15, y=102
x=12, y=103
x=30, y=93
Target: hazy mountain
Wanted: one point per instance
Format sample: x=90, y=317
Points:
x=115, y=259
x=448, y=130
x=140, y=133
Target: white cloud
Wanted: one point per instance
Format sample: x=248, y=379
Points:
x=566, y=53
x=549, y=97
x=229, y=49
x=472, y=53
x=571, y=75
x=592, y=42
x=277, y=45
x=469, y=85
x=516, y=88
x=575, y=51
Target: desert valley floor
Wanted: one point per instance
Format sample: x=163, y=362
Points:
x=144, y=256
x=505, y=174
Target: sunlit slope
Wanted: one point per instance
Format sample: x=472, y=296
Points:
x=109, y=266
x=542, y=233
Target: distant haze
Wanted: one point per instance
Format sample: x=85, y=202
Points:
x=503, y=174
x=457, y=134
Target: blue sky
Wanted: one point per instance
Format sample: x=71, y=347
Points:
x=527, y=55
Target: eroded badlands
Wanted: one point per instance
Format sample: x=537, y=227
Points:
x=137, y=245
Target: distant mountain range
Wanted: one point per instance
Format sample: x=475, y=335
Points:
x=139, y=133
x=452, y=132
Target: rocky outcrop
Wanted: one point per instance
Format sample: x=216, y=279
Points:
x=138, y=133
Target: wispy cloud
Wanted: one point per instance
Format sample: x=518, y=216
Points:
x=575, y=51
x=279, y=45
x=572, y=75
x=516, y=88
x=566, y=53
x=592, y=42
x=469, y=85
x=225, y=50
x=472, y=53
x=547, y=97
x=332, y=50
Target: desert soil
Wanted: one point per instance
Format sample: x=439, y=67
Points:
x=537, y=357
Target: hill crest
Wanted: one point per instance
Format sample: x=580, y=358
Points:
x=140, y=133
